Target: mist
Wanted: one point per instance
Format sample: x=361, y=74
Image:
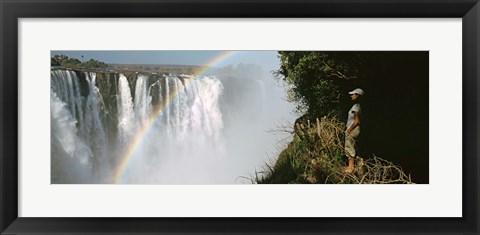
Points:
x=218, y=129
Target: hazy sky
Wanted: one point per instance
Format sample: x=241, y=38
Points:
x=267, y=59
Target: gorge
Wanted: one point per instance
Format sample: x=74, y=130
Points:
x=148, y=128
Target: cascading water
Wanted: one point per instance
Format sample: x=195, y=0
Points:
x=71, y=157
x=167, y=108
x=109, y=127
x=126, y=114
x=142, y=100
x=187, y=109
x=65, y=85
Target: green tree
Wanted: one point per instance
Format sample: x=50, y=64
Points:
x=54, y=62
x=396, y=100
x=65, y=61
x=317, y=80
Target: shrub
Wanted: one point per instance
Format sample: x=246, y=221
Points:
x=316, y=155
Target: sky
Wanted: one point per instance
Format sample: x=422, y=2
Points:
x=267, y=59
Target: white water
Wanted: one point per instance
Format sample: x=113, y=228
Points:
x=93, y=127
x=188, y=143
x=65, y=85
x=166, y=113
x=142, y=99
x=182, y=155
x=126, y=114
x=71, y=157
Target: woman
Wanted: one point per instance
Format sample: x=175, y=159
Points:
x=353, y=128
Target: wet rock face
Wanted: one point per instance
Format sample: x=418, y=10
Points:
x=83, y=83
x=107, y=84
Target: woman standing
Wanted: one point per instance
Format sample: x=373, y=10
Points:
x=353, y=128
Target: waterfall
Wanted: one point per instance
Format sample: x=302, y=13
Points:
x=75, y=164
x=126, y=114
x=142, y=100
x=184, y=123
x=65, y=85
x=150, y=127
x=64, y=132
x=166, y=110
x=175, y=110
x=155, y=91
x=79, y=100
x=93, y=125
x=77, y=130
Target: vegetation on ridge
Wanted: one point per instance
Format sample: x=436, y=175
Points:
x=316, y=156
x=73, y=63
x=396, y=85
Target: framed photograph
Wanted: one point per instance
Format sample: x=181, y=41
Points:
x=318, y=117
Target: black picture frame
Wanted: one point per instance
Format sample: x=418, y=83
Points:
x=12, y=10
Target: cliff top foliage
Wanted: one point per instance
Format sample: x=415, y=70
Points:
x=396, y=101
x=74, y=63
x=316, y=156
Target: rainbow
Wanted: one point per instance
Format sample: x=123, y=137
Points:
x=137, y=139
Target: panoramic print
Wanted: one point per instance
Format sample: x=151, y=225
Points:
x=239, y=117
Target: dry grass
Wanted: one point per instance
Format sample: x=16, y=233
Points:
x=316, y=155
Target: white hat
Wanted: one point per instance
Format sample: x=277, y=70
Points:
x=356, y=91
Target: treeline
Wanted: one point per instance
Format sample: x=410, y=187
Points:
x=153, y=68
x=74, y=63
